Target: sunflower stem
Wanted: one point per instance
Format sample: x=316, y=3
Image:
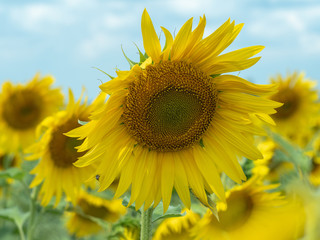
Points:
x=21, y=233
x=33, y=202
x=146, y=224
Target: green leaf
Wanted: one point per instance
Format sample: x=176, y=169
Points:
x=247, y=167
x=142, y=57
x=15, y=215
x=103, y=72
x=131, y=63
x=125, y=202
x=14, y=173
x=173, y=211
x=294, y=153
x=215, y=75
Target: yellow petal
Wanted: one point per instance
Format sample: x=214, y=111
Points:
x=167, y=178
x=181, y=40
x=181, y=182
x=243, y=53
x=151, y=41
x=237, y=84
x=169, y=41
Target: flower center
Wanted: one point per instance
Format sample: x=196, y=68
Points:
x=93, y=210
x=170, y=106
x=62, y=148
x=290, y=102
x=240, y=206
x=22, y=110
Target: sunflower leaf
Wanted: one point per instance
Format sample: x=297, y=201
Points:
x=142, y=56
x=294, y=153
x=215, y=75
x=103, y=72
x=173, y=211
x=15, y=215
x=131, y=63
x=125, y=202
x=14, y=173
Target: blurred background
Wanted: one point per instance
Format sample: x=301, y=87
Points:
x=67, y=38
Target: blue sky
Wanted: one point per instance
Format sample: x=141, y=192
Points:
x=66, y=38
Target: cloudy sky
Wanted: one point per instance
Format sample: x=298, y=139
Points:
x=67, y=38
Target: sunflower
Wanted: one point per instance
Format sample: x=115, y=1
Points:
x=9, y=160
x=23, y=107
x=57, y=152
x=315, y=162
x=81, y=225
x=176, y=228
x=300, y=106
x=174, y=121
x=274, y=159
x=252, y=213
x=130, y=234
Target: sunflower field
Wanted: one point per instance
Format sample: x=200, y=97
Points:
x=177, y=146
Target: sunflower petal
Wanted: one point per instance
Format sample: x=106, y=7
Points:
x=151, y=41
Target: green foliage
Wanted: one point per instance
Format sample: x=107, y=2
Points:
x=104, y=72
x=173, y=211
x=291, y=153
x=15, y=215
x=14, y=173
x=131, y=63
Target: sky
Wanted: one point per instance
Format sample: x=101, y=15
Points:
x=69, y=38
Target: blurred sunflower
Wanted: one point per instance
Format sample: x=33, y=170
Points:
x=81, y=225
x=274, y=159
x=9, y=160
x=177, y=228
x=57, y=152
x=130, y=234
x=252, y=213
x=23, y=107
x=300, y=106
x=174, y=121
x=315, y=162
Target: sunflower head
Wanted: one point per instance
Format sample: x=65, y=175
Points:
x=275, y=159
x=57, y=152
x=80, y=223
x=299, y=107
x=177, y=227
x=23, y=107
x=251, y=212
x=175, y=120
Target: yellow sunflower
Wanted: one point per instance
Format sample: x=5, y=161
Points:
x=172, y=122
x=57, y=152
x=23, y=107
x=92, y=206
x=278, y=164
x=9, y=160
x=300, y=106
x=177, y=228
x=252, y=213
x=315, y=162
x=130, y=234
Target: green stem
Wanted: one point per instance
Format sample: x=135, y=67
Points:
x=21, y=233
x=33, y=210
x=146, y=224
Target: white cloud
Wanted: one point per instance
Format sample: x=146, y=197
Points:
x=281, y=22
x=116, y=21
x=40, y=17
x=191, y=8
x=97, y=45
x=310, y=44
